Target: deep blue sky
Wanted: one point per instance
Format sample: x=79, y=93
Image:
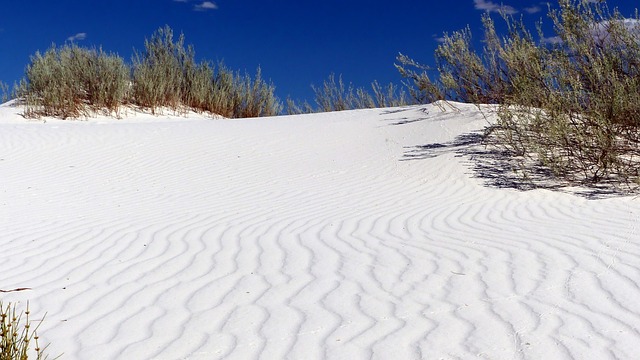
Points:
x=296, y=42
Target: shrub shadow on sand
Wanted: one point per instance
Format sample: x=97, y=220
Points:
x=499, y=169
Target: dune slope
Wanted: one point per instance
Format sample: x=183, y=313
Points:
x=349, y=235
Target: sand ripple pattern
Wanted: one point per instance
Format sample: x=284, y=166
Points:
x=305, y=238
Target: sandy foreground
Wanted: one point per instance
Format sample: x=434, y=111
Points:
x=351, y=235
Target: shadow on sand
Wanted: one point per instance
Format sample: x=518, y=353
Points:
x=498, y=168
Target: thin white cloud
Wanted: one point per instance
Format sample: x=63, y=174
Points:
x=553, y=40
x=600, y=31
x=206, y=5
x=490, y=6
x=78, y=36
x=532, y=9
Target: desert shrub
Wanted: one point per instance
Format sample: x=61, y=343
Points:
x=576, y=104
x=424, y=89
x=9, y=93
x=105, y=79
x=166, y=74
x=234, y=95
x=388, y=96
x=18, y=337
x=197, y=85
x=463, y=73
x=52, y=87
x=223, y=97
x=336, y=96
x=572, y=104
x=159, y=71
x=69, y=81
x=254, y=97
x=4, y=92
x=294, y=107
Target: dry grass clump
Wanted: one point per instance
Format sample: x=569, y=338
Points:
x=5, y=95
x=159, y=72
x=71, y=81
x=18, y=337
x=570, y=102
x=167, y=75
x=336, y=96
x=241, y=96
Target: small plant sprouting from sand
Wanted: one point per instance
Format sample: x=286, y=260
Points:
x=18, y=337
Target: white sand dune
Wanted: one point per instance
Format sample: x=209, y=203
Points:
x=325, y=236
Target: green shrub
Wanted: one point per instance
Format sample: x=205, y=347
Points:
x=572, y=105
x=17, y=335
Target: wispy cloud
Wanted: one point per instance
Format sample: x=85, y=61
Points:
x=206, y=5
x=202, y=6
x=490, y=6
x=78, y=36
x=552, y=40
x=602, y=30
x=532, y=9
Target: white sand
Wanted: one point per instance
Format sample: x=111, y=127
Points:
x=304, y=237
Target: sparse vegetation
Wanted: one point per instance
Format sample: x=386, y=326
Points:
x=247, y=97
x=4, y=92
x=336, y=96
x=70, y=82
x=572, y=105
x=159, y=73
x=18, y=337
